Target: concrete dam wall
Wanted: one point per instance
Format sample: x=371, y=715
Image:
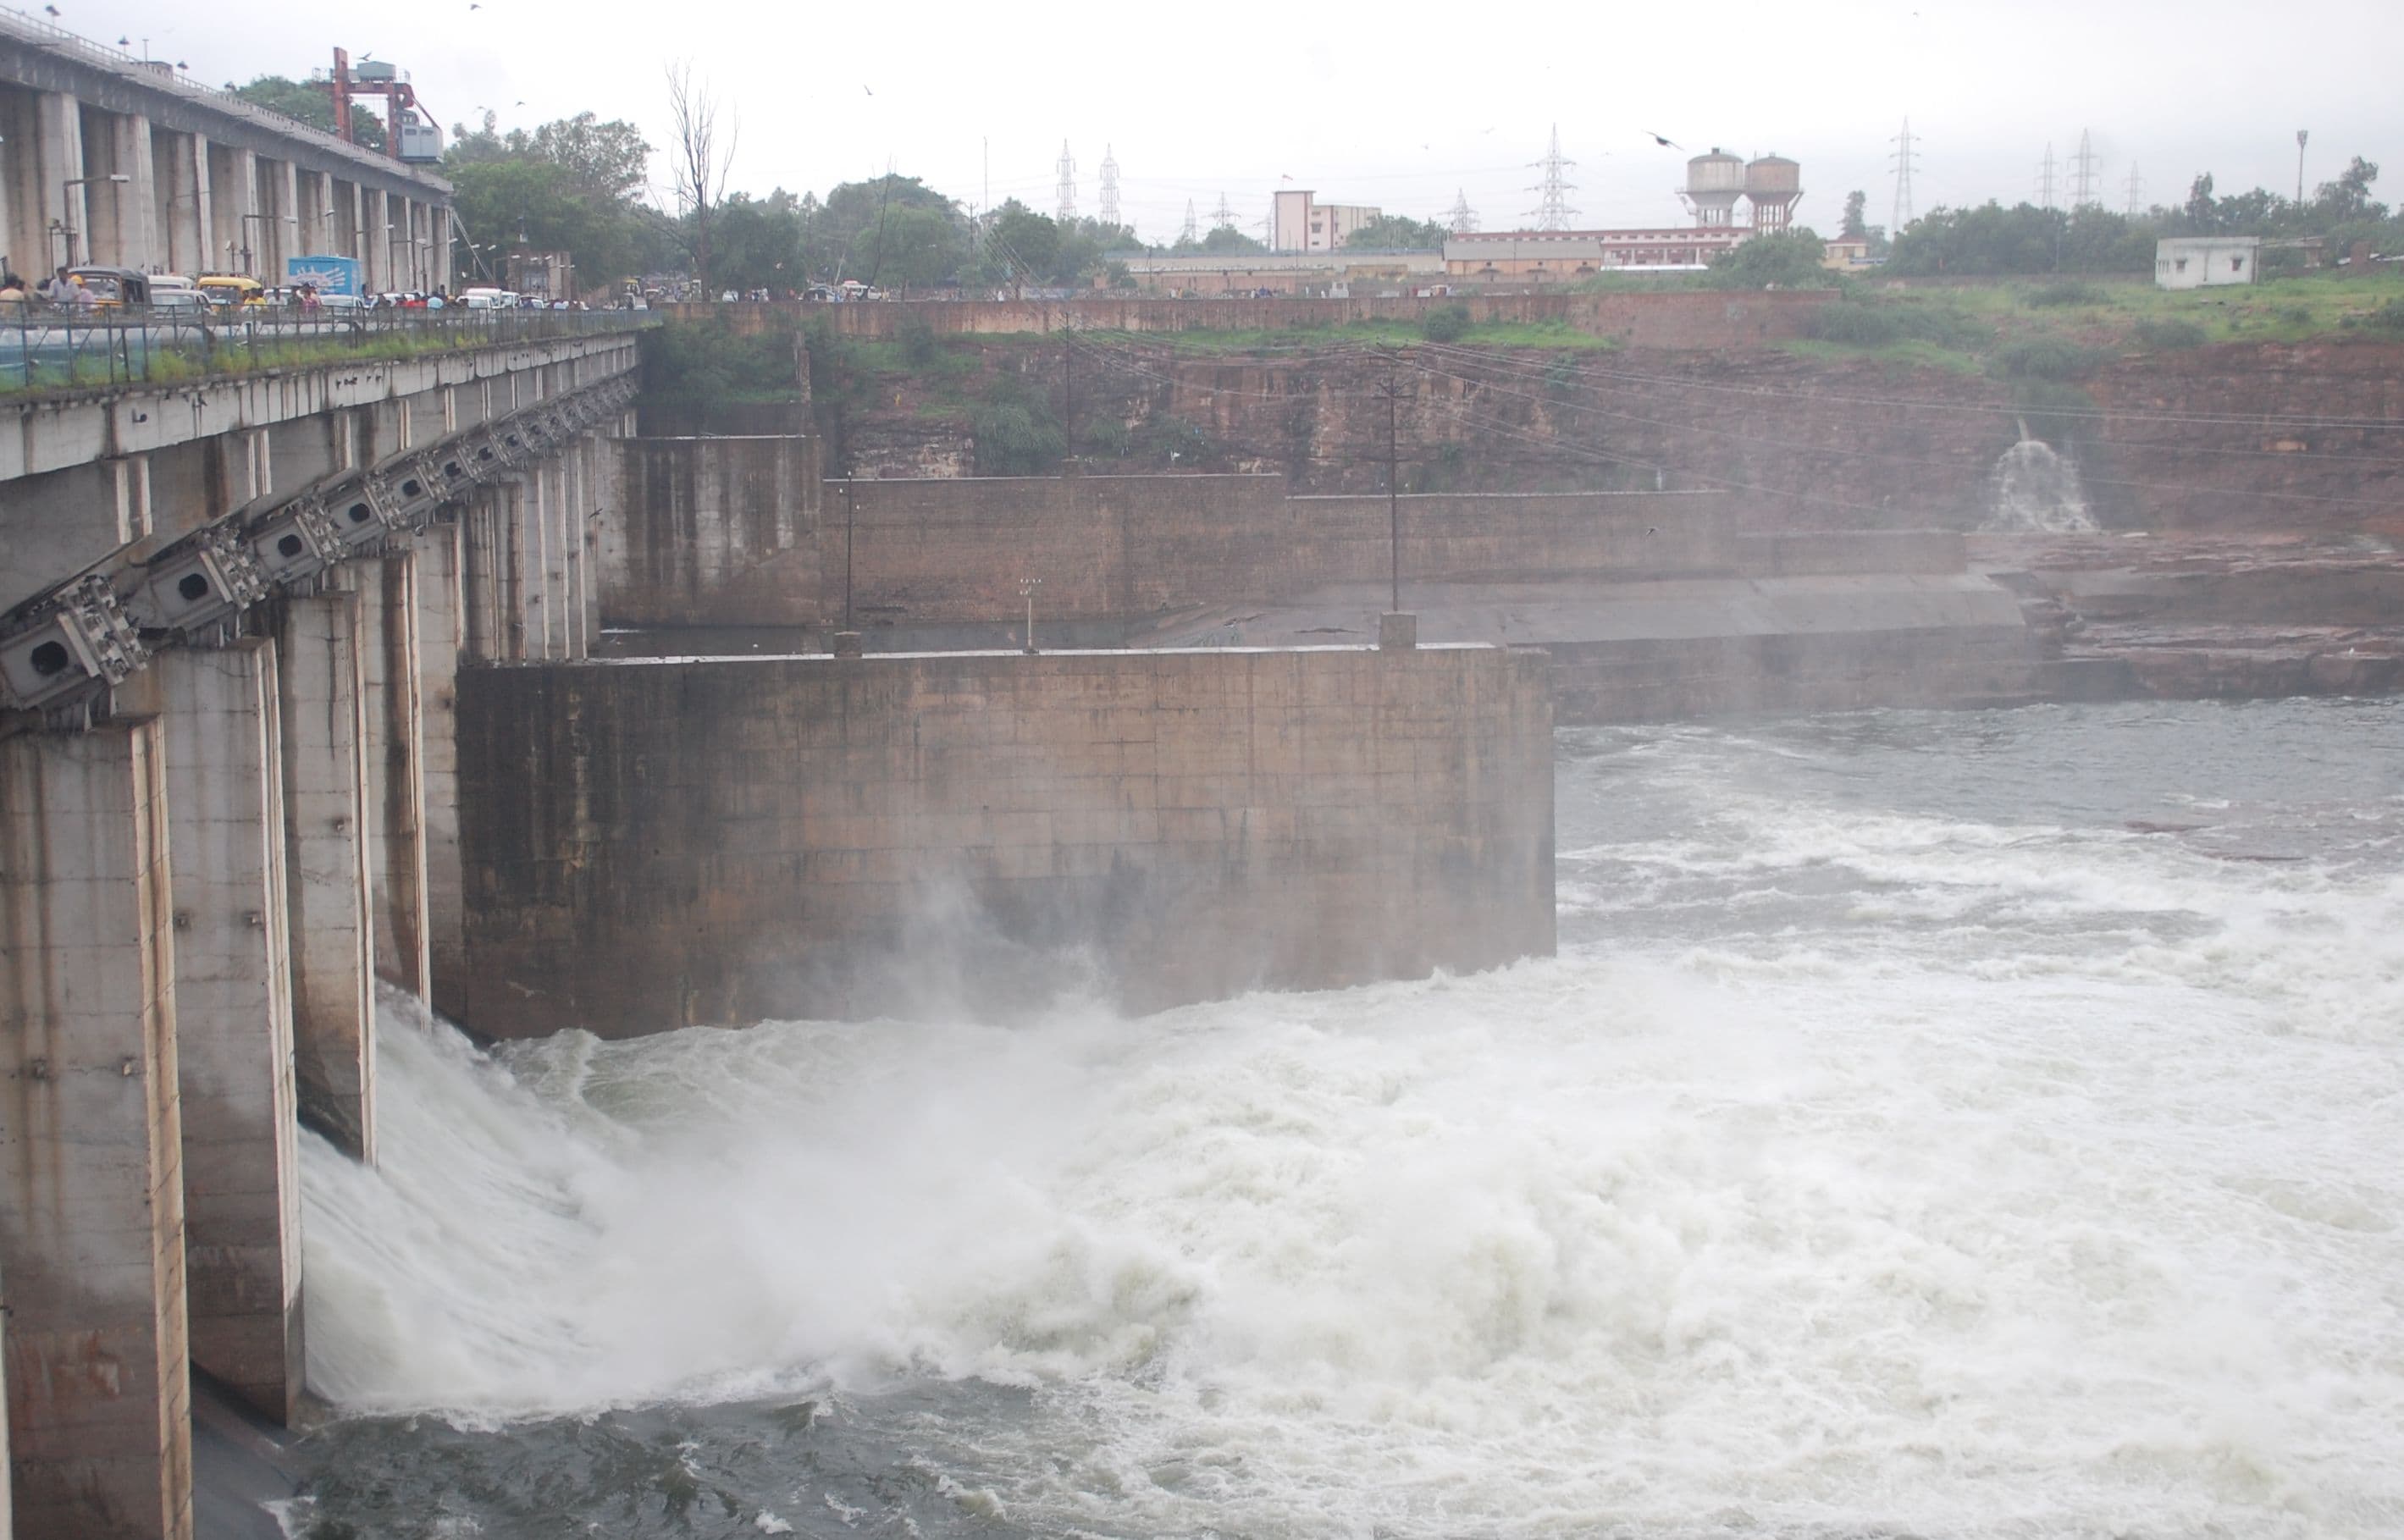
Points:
x=655, y=844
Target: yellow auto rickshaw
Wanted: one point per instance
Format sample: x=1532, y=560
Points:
x=231, y=290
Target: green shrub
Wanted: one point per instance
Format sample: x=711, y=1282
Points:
x=917, y=338
x=2171, y=333
x=1015, y=434
x=1859, y=325
x=2064, y=292
x=2387, y=317
x=2044, y=358
x=1446, y=324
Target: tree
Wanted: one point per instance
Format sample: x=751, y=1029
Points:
x=1789, y=260
x=917, y=248
x=699, y=159
x=607, y=159
x=2349, y=197
x=1396, y=233
x=2202, y=216
x=853, y=232
x=567, y=186
x=312, y=101
x=1992, y=239
x=1225, y=241
x=1027, y=242
x=1857, y=224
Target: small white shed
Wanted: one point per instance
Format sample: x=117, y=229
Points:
x=2201, y=261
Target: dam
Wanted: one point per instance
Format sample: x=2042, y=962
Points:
x=565, y=966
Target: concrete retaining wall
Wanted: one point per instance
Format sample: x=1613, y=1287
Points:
x=723, y=532
x=656, y=844
x=1682, y=318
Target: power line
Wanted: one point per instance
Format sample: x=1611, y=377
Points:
x=1905, y=157
x=1186, y=236
x=1223, y=216
x=2136, y=189
x=2045, y=179
x=1461, y=219
x=1109, y=187
x=1068, y=189
x=1553, y=210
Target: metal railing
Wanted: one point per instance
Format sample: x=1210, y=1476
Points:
x=46, y=349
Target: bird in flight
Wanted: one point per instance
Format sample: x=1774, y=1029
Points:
x=49, y=10
x=864, y=89
x=1659, y=140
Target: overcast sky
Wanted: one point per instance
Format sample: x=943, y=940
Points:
x=1365, y=105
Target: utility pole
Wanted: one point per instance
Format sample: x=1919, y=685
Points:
x=2136, y=189
x=1068, y=189
x=1109, y=187
x=1186, y=237
x=1223, y=216
x=847, y=552
x=1067, y=396
x=1026, y=587
x=1904, y=158
x=1461, y=219
x=1392, y=392
x=2045, y=179
x=2301, y=135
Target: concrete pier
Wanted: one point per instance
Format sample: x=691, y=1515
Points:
x=327, y=827
x=233, y=1008
x=90, y=1146
x=651, y=844
x=395, y=759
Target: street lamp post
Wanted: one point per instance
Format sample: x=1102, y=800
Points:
x=63, y=227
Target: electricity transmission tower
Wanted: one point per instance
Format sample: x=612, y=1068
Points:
x=1187, y=236
x=1223, y=217
x=1067, y=185
x=1904, y=158
x=2136, y=189
x=1553, y=210
x=1461, y=219
x=2045, y=179
x=1109, y=187
x=2082, y=180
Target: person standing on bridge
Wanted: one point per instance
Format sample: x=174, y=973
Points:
x=59, y=288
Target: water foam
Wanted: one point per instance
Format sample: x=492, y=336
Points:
x=2060, y=1198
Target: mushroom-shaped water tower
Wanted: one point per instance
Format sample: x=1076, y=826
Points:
x=1713, y=184
x=1773, y=185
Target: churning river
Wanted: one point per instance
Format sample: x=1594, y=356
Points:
x=1987, y=1124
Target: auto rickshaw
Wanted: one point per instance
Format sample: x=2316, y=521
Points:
x=115, y=287
x=233, y=291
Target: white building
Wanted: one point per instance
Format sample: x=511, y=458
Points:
x=1305, y=224
x=2199, y=261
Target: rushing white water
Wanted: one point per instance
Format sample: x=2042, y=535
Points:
x=2033, y=490
x=1857, y=1165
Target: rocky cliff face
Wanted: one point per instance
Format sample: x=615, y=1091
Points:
x=2253, y=438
